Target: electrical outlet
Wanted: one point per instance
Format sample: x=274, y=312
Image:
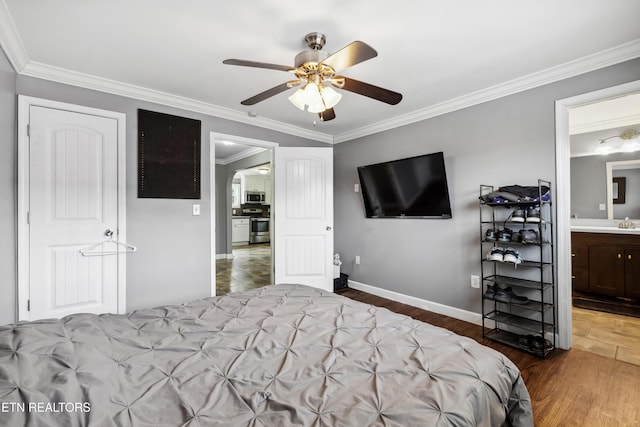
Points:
x=475, y=281
x=357, y=259
x=603, y=207
x=356, y=188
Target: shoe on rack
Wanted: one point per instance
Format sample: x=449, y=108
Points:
x=524, y=341
x=533, y=214
x=539, y=344
x=491, y=292
x=529, y=236
x=518, y=215
x=511, y=255
x=505, y=235
x=516, y=237
x=491, y=235
x=496, y=254
x=509, y=297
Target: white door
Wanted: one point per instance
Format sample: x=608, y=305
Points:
x=72, y=200
x=303, y=226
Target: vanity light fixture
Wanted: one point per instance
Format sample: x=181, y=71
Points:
x=623, y=142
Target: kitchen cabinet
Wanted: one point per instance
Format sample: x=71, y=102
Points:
x=257, y=183
x=240, y=230
x=606, y=264
x=253, y=183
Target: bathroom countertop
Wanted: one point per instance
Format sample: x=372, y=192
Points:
x=604, y=229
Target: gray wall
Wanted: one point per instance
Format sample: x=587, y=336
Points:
x=8, y=183
x=589, y=184
x=510, y=140
x=172, y=264
x=631, y=207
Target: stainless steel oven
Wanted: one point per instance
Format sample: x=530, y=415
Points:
x=259, y=230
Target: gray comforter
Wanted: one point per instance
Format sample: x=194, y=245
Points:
x=278, y=356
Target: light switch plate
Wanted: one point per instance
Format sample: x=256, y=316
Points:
x=196, y=209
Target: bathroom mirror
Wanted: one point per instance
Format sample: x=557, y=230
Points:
x=623, y=189
x=605, y=146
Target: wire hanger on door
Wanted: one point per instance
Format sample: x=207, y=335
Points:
x=99, y=249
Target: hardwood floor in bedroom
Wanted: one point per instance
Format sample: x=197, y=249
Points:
x=569, y=388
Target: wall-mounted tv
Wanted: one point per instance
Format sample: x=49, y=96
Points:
x=415, y=187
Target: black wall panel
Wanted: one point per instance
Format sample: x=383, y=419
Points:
x=168, y=156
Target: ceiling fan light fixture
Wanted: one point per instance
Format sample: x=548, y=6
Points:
x=330, y=97
x=316, y=100
x=297, y=99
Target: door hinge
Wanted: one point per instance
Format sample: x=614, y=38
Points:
x=28, y=217
x=28, y=129
x=28, y=305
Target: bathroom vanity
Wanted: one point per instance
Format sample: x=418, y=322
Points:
x=606, y=261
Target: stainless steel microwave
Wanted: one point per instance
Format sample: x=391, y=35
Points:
x=255, y=196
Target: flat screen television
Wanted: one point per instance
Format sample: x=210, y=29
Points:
x=415, y=187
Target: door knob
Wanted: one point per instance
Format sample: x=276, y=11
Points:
x=328, y=228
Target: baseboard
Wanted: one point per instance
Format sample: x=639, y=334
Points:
x=224, y=256
x=456, y=313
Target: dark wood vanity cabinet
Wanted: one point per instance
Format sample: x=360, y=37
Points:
x=632, y=273
x=606, y=264
x=579, y=266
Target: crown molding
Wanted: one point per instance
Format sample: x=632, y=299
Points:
x=73, y=78
x=10, y=41
x=241, y=155
x=595, y=126
x=616, y=55
x=16, y=53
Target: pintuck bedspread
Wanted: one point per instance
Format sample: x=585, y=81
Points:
x=285, y=355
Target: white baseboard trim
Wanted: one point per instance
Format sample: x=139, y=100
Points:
x=224, y=256
x=456, y=313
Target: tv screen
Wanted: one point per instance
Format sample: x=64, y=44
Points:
x=407, y=188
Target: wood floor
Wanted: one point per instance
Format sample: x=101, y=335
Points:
x=569, y=388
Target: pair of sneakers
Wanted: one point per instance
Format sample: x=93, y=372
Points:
x=497, y=235
x=532, y=215
x=505, y=295
x=504, y=255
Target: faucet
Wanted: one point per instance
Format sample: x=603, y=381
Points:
x=626, y=223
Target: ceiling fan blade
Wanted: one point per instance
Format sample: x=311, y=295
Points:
x=266, y=94
x=255, y=64
x=326, y=115
x=366, y=89
x=350, y=55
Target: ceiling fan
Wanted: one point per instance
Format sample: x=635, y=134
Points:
x=315, y=72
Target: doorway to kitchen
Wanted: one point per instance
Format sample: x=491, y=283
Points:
x=249, y=266
x=244, y=194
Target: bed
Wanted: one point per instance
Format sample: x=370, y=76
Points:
x=285, y=355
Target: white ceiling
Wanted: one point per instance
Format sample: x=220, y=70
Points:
x=441, y=55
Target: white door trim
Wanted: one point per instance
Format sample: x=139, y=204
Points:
x=213, y=137
x=24, y=104
x=563, y=199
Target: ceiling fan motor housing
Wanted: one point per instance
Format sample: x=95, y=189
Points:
x=310, y=57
